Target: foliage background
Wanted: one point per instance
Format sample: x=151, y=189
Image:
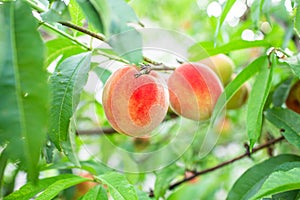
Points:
x=47, y=102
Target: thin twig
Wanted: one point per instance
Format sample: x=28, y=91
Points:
x=83, y=30
x=102, y=38
x=98, y=131
x=258, y=148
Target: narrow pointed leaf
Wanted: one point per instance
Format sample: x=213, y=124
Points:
x=91, y=15
x=235, y=84
x=257, y=100
x=118, y=186
x=55, y=188
x=250, y=182
x=24, y=105
x=222, y=18
x=297, y=21
x=97, y=192
x=66, y=85
x=279, y=181
x=29, y=190
x=288, y=121
x=282, y=92
x=202, y=50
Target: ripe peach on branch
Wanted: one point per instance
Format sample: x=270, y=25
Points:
x=194, y=90
x=135, y=105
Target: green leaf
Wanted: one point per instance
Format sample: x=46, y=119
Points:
x=226, y=9
x=24, y=107
x=61, y=47
x=250, y=182
x=91, y=14
x=202, y=50
x=55, y=188
x=294, y=63
x=279, y=181
x=297, y=21
x=118, y=186
x=77, y=15
x=97, y=192
x=119, y=21
x=287, y=120
x=143, y=195
x=282, y=92
x=57, y=12
x=128, y=44
x=255, y=11
x=29, y=190
x=3, y=163
x=66, y=85
x=257, y=100
x=164, y=178
x=289, y=195
x=103, y=74
x=235, y=84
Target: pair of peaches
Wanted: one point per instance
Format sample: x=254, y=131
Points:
x=135, y=105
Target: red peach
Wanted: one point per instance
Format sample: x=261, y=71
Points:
x=194, y=90
x=135, y=106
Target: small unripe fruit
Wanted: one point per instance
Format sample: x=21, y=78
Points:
x=222, y=65
x=194, y=90
x=135, y=106
x=293, y=100
x=239, y=98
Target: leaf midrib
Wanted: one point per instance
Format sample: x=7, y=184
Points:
x=64, y=97
x=17, y=79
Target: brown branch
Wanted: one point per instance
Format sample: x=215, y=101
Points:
x=98, y=131
x=247, y=154
x=83, y=30
x=102, y=38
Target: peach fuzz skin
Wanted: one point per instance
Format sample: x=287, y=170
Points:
x=135, y=106
x=194, y=90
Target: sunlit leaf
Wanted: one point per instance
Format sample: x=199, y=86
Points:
x=279, y=181
x=76, y=13
x=59, y=185
x=29, y=190
x=257, y=100
x=118, y=186
x=250, y=182
x=288, y=121
x=91, y=15
x=24, y=105
x=61, y=47
x=97, y=192
x=297, y=20
x=235, y=84
x=202, y=50
x=226, y=9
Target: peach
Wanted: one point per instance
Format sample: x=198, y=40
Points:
x=293, y=99
x=135, y=106
x=194, y=90
x=222, y=65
